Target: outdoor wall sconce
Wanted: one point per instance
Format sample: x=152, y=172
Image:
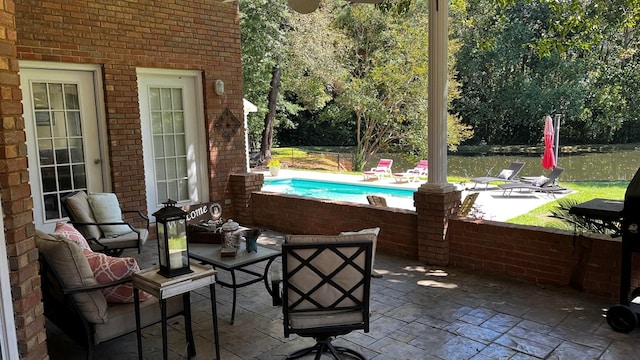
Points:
x=173, y=247
x=219, y=87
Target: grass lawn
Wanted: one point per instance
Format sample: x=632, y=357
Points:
x=583, y=191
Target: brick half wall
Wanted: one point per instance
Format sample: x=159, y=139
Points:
x=540, y=255
x=300, y=215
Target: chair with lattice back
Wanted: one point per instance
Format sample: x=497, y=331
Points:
x=326, y=289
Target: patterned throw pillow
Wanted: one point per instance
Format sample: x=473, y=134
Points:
x=107, y=268
x=69, y=232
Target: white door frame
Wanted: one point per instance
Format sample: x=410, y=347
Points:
x=101, y=112
x=8, y=338
x=102, y=183
x=201, y=152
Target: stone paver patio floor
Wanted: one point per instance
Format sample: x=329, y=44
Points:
x=418, y=312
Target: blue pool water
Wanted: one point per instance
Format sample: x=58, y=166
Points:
x=335, y=190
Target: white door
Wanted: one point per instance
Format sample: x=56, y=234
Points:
x=173, y=137
x=63, y=142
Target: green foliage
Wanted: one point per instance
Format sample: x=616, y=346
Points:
x=263, y=47
x=507, y=88
x=362, y=68
x=313, y=70
x=388, y=59
x=522, y=60
x=582, y=191
x=356, y=74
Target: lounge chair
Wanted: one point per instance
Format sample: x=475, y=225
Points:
x=510, y=174
x=383, y=169
x=467, y=204
x=545, y=184
x=421, y=169
x=377, y=200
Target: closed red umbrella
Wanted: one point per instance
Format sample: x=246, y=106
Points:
x=548, y=159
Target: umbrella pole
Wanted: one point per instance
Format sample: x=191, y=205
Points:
x=556, y=139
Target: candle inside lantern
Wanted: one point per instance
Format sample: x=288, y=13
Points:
x=175, y=259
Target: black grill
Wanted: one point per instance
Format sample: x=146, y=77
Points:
x=624, y=316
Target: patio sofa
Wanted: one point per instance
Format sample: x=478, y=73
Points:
x=75, y=301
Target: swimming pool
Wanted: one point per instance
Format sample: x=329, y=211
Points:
x=339, y=191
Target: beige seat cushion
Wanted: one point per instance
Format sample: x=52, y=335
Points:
x=123, y=241
x=79, y=210
x=67, y=258
x=312, y=319
x=122, y=317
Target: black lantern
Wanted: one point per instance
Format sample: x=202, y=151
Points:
x=173, y=247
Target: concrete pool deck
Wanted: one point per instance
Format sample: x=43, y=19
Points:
x=491, y=204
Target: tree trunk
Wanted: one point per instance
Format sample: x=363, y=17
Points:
x=269, y=119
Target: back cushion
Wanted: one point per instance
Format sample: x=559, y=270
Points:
x=375, y=231
x=306, y=279
x=79, y=210
x=306, y=239
x=67, y=258
x=106, y=209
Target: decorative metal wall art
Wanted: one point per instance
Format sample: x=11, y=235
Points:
x=228, y=124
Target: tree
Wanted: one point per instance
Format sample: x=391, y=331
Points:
x=514, y=71
x=269, y=118
x=387, y=89
x=507, y=87
x=264, y=46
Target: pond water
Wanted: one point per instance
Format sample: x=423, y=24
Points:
x=619, y=165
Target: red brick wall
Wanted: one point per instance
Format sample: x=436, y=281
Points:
x=539, y=255
x=16, y=199
x=300, y=215
x=433, y=211
x=122, y=36
x=242, y=185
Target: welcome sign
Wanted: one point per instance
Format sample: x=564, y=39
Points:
x=203, y=212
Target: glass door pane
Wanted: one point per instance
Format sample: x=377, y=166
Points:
x=61, y=158
x=169, y=143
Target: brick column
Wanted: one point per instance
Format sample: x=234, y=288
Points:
x=242, y=185
x=434, y=205
x=17, y=204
